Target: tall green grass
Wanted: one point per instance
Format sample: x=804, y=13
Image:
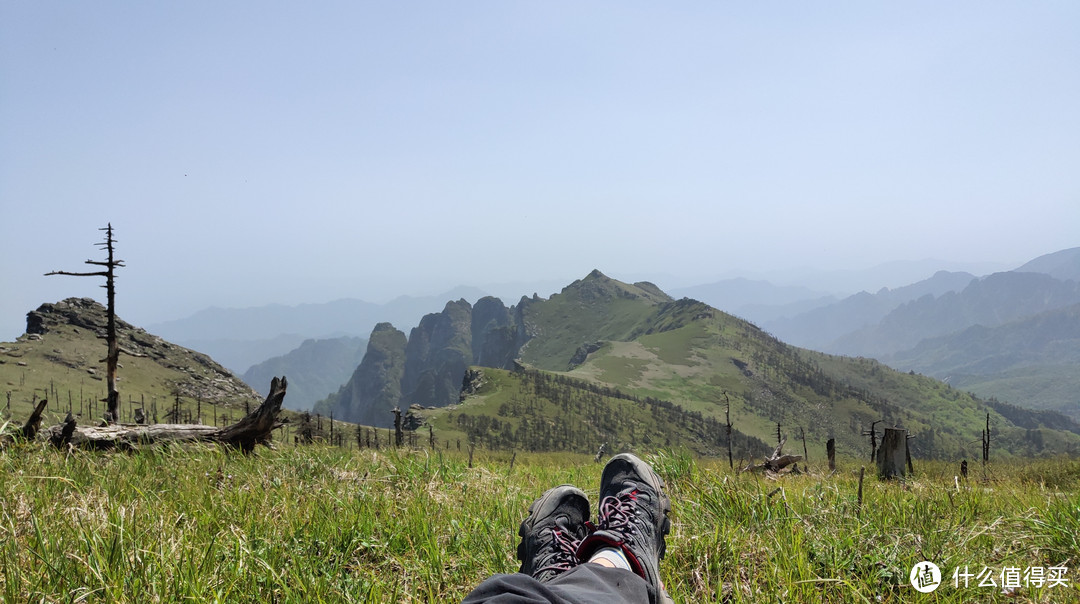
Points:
x=321, y=524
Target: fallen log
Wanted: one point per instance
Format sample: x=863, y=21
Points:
x=776, y=462
x=254, y=428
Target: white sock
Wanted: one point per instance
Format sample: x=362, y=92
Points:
x=612, y=555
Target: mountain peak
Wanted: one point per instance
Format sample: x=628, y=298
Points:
x=596, y=285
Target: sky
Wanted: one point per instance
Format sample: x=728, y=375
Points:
x=250, y=153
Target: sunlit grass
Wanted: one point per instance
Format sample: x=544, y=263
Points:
x=321, y=524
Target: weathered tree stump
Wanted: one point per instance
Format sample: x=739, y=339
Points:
x=892, y=455
x=32, y=425
x=30, y=429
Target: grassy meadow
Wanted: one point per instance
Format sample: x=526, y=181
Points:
x=325, y=524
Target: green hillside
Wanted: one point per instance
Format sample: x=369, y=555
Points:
x=542, y=411
x=64, y=362
x=698, y=358
x=1051, y=387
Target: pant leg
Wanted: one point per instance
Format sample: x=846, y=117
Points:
x=583, y=584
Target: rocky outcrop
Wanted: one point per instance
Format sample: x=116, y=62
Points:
x=583, y=353
x=495, y=335
x=83, y=313
x=374, y=389
x=439, y=350
x=196, y=374
x=471, y=383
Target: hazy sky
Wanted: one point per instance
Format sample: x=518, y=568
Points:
x=258, y=152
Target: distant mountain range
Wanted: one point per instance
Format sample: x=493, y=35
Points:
x=318, y=368
x=818, y=328
x=889, y=324
x=242, y=337
x=929, y=326
x=1063, y=265
x=990, y=301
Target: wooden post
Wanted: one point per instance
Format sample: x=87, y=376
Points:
x=963, y=469
x=986, y=441
x=806, y=456
x=830, y=450
x=858, y=507
x=907, y=449
x=727, y=415
x=892, y=456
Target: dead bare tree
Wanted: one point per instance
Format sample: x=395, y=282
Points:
x=113, y=358
x=873, y=439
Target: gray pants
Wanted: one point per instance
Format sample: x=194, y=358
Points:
x=583, y=584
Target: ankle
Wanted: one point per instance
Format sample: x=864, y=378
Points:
x=611, y=558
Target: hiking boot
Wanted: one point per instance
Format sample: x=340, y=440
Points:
x=557, y=523
x=633, y=518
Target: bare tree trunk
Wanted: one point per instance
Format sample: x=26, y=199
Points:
x=113, y=359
